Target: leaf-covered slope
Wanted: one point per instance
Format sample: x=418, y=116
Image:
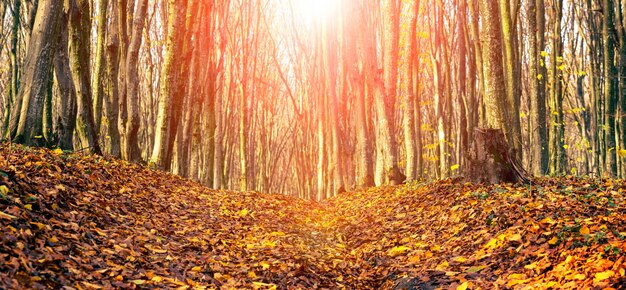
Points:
x=89, y=222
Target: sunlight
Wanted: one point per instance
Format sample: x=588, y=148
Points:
x=314, y=11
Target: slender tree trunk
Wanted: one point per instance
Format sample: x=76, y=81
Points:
x=80, y=43
x=66, y=122
x=514, y=129
x=133, y=153
x=100, y=65
x=12, y=98
x=111, y=103
x=409, y=99
x=610, y=86
x=386, y=91
x=171, y=99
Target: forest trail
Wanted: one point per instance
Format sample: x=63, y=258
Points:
x=94, y=223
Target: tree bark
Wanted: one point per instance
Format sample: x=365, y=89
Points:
x=26, y=120
x=66, y=121
x=132, y=151
x=80, y=43
x=171, y=98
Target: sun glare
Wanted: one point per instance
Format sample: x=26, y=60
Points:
x=313, y=11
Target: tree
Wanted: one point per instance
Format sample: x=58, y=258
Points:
x=131, y=143
x=66, y=120
x=490, y=158
x=26, y=124
x=171, y=95
x=536, y=76
x=80, y=57
x=610, y=86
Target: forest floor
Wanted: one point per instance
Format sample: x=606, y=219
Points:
x=88, y=222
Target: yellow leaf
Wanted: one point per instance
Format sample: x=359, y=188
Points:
x=531, y=266
x=516, y=276
x=553, y=241
x=251, y=275
x=28, y=207
x=57, y=151
x=515, y=237
x=261, y=284
x=584, y=230
x=156, y=279
x=242, y=213
x=603, y=276
x=4, y=189
x=514, y=282
x=621, y=152
x=138, y=281
x=460, y=259
x=7, y=216
x=462, y=286
x=492, y=244
x=269, y=244
x=454, y=167
x=547, y=220
x=442, y=265
x=580, y=277
x=159, y=251
x=397, y=251
x=265, y=265
x=196, y=269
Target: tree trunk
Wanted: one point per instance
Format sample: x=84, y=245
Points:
x=610, y=86
x=80, y=43
x=26, y=120
x=100, y=65
x=133, y=153
x=66, y=122
x=490, y=159
x=171, y=97
x=111, y=103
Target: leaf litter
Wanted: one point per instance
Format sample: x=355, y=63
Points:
x=75, y=221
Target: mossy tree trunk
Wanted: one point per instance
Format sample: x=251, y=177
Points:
x=26, y=122
x=80, y=57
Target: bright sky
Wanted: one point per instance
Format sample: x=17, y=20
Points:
x=315, y=10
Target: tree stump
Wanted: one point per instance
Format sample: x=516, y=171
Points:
x=491, y=160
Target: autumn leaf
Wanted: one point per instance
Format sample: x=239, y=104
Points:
x=584, y=230
x=463, y=286
x=7, y=216
x=603, y=276
x=398, y=251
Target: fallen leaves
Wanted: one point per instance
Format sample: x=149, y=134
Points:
x=96, y=223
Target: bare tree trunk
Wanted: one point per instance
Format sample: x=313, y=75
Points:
x=171, y=98
x=409, y=99
x=26, y=120
x=100, y=65
x=490, y=158
x=111, y=103
x=133, y=153
x=80, y=43
x=610, y=86
x=12, y=98
x=66, y=122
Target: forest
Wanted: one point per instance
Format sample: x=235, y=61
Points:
x=165, y=138
x=310, y=98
